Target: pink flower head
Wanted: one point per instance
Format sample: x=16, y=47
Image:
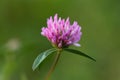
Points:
x=61, y=33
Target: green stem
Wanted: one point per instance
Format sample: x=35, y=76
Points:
x=53, y=65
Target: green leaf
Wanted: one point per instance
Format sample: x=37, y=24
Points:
x=41, y=57
x=79, y=53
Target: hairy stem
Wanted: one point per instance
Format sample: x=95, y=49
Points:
x=53, y=65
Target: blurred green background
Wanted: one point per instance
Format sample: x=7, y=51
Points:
x=21, y=42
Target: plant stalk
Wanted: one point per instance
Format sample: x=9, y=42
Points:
x=53, y=65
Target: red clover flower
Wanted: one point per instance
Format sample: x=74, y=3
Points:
x=61, y=33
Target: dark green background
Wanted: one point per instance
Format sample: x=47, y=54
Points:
x=22, y=20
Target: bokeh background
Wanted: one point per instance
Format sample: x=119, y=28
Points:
x=21, y=42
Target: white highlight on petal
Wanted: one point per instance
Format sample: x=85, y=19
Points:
x=77, y=44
